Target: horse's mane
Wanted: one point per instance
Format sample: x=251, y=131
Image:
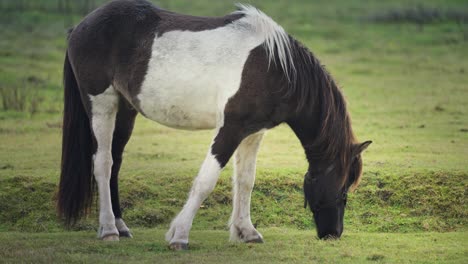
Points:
x=277, y=44
x=309, y=84
x=314, y=86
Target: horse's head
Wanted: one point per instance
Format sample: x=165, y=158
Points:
x=326, y=187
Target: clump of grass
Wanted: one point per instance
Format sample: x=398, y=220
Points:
x=13, y=98
x=26, y=204
x=149, y=216
x=375, y=257
x=422, y=201
x=419, y=15
x=22, y=97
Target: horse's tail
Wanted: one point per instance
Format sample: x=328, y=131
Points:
x=76, y=187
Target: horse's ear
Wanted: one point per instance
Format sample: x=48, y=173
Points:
x=359, y=148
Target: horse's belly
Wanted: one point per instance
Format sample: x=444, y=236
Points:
x=181, y=106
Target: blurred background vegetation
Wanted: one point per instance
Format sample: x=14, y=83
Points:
x=50, y=6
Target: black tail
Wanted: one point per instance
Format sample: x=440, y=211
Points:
x=76, y=179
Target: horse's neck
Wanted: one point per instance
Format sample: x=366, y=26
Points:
x=307, y=127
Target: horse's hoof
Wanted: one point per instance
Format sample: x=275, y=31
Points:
x=178, y=246
x=111, y=237
x=258, y=240
x=125, y=234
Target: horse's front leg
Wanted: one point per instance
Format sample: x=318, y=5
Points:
x=224, y=145
x=204, y=183
x=241, y=226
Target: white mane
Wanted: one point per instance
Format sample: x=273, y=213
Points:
x=276, y=39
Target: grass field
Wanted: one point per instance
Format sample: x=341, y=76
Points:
x=282, y=246
x=406, y=81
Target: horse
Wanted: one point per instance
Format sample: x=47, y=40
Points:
x=240, y=75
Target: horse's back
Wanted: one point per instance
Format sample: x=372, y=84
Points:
x=176, y=69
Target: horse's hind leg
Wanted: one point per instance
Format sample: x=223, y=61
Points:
x=122, y=132
x=245, y=159
x=103, y=114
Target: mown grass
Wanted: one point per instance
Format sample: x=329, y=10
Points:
x=406, y=87
x=282, y=246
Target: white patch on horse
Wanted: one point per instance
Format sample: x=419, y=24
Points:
x=122, y=227
x=191, y=75
x=103, y=114
x=245, y=160
x=202, y=186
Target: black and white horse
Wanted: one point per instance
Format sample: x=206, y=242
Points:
x=240, y=74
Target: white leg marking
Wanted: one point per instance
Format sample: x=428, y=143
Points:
x=122, y=227
x=104, y=110
x=202, y=186
x=241, y=226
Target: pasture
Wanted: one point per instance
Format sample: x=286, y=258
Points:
x=403, y=67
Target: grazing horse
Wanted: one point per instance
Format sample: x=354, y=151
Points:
x=240, y=75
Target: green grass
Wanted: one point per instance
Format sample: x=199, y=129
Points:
x=282, y=246
x=406, y=87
